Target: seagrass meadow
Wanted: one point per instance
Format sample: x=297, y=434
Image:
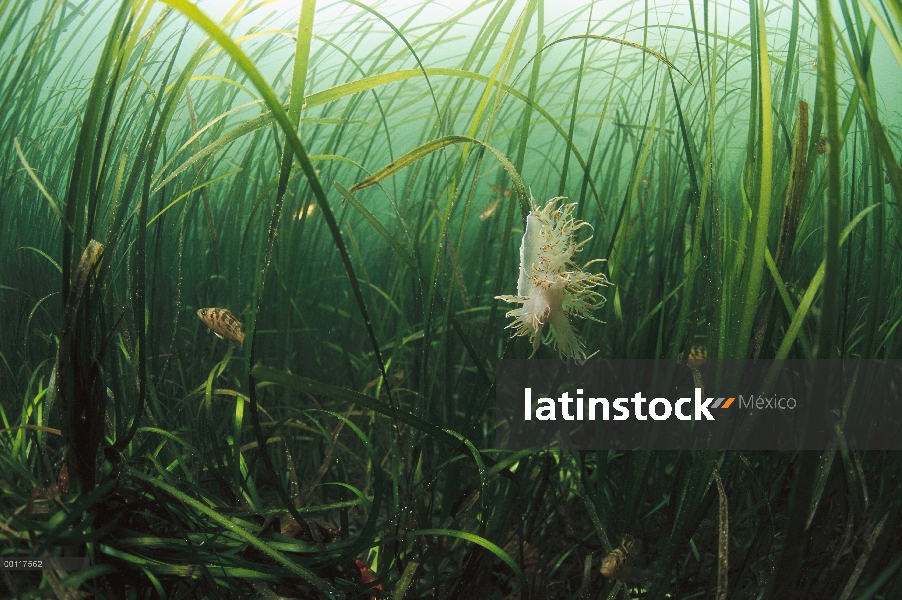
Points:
x=352, y=182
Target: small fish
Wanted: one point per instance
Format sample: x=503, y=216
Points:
x=619, y=562
x=697, y=356
x=222, y=323
x=489, y=210
x=506, y=192
x=814, y=64
x=823, y=146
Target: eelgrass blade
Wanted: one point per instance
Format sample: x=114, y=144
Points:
x=250, y=538
x=80, y=382
x=761, y=218
x=295, y=104
x=827, y=55
x=723, y=538
x=432, y=146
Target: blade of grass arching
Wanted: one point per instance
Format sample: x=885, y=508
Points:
x=245, y=535
x=304, y=493
x=38, y=184
x=191, y=191
x=650, y=314
x=481, y=541
x=743, y=337
x=409, y=47
x=429, y=147
x=368, y=83
x=382, y=111
x=571, y=147
x=604, y=38
x=246, y=127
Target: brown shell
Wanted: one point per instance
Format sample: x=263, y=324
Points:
x=619, y=562
x=223, y=323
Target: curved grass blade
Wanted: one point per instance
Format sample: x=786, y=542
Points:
x=808, y=298
x=480, y=541
x=229, y=525
x=605, y=38
x=40, y=186
x=432, y=146
x=743, y=337
x=191, y=191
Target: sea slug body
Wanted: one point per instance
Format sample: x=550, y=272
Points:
x=551, y=287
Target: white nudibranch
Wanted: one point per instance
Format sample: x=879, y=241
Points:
x=551, y=286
